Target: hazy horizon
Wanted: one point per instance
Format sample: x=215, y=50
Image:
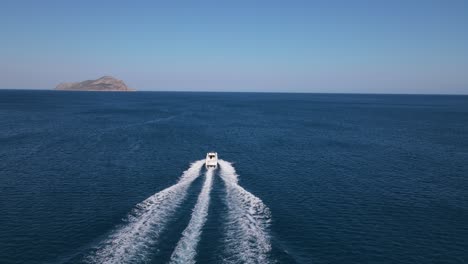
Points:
x=235, y=91
x=414, y=47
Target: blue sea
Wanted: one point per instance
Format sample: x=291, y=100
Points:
x=115, y=177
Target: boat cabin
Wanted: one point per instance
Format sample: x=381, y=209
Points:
x=211, y=160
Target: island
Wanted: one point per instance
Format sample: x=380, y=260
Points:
x=105, y=83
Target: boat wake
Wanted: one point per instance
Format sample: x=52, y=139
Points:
x=247, y=239
x=185, y=250
x=132, y=241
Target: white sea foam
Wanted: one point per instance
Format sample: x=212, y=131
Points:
x=186, y=248
x=132, y=241
x=247, y=239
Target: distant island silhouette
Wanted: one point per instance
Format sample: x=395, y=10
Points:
x=105, y=83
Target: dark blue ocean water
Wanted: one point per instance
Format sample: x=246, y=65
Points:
x=346, y=178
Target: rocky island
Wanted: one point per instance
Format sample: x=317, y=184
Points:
x=105, y=83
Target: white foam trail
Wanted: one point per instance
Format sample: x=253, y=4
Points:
x=132, y=241
x=247, y=239
x=186, y=248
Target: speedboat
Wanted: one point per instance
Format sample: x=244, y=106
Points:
x=211, y=160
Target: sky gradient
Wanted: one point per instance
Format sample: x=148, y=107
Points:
x=269, y=46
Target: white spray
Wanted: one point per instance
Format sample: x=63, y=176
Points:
x=247, y=239
x=132, y=241
x=185, y=251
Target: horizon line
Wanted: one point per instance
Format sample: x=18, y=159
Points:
x=261, y=92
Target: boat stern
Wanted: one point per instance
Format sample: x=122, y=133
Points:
x=211, y=160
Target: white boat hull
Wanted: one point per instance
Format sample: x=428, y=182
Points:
x=211, y=160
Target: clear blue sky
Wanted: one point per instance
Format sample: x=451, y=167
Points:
x=375, y=46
